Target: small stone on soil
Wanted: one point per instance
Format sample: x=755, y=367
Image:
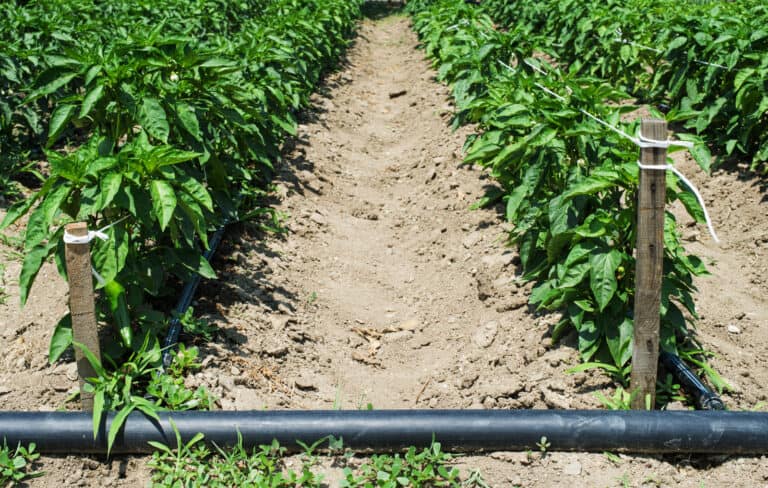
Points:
x=573, y=469
x=485, y=335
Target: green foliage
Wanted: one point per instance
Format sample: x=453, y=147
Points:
x=427, y=467
x=159, y=121
x=568, y=182
x=195, y=464
x=706, y=62
x=120, y=389
x=197, y=327
x=15, y=464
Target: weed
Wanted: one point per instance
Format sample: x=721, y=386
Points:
x=621, y=399
x=474, y=480
x=14, y=464
x=194, y=465
x=615, y=459
x=197, y=326
x=543, y=445
x=120, y=389
x=428, y=467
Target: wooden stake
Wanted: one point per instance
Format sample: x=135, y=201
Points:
x=649, y=265
x=82, y=306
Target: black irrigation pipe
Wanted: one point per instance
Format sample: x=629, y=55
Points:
x=704, y=398
x=709, y=432
x=185, y=300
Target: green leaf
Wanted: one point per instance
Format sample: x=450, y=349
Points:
x=90, y=100
x=514, y=201
x=52, y=85
x=205, y=269
x=742, y=76
x=602, y=275
x=574, y=275
x=59, y=119
x=691, y=204
x=153, y=119
x=61, y=338
x=33, y=260
x=196, y=190
x=186, y=114
x=589, y=339
x=117, y=424
x=163, y=201
x=109, y=186
x=619, y=339
x=587, y=186
x=40, y=221
x=98, y=410
x=93, y=360
x=21, y=207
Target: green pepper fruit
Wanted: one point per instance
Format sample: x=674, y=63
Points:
x=119, y=308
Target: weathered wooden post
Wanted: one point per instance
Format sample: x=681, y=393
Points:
x=82, y=305
x=649, y=265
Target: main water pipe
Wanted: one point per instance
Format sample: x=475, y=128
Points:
x=391, y=430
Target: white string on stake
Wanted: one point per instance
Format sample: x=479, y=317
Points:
x=534, y=67
x=644, y=142
x=92, y=234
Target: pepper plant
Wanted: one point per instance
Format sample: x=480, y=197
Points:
x=568, y=183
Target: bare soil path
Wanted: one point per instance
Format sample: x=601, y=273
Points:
x=387, y=290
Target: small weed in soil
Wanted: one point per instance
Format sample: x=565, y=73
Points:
x=14, y=465
x=195, y=464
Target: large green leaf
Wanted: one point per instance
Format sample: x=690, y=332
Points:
x=61, y=338
x=602, y=274
x=153, y=119
x=188, y=119
x=163, y=201
x=619, y=339
x=90, y=100
x=59, y=119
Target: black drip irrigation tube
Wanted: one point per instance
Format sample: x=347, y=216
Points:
x=704, y=398
x=185, y=300
x=710, y=432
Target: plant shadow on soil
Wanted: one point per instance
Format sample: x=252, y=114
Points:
x=251, y=284
x=376, y=10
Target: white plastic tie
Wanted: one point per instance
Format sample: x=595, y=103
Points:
x=92, y=234
x=691, y=186
x=99, y=279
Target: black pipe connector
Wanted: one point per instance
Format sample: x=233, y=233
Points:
x=704, y=398
x=713, y=432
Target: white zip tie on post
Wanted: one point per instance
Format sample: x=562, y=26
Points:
x=86, y=239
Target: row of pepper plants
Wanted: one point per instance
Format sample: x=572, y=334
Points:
x=704, y=61
x=568, y=183
x=162, y=118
